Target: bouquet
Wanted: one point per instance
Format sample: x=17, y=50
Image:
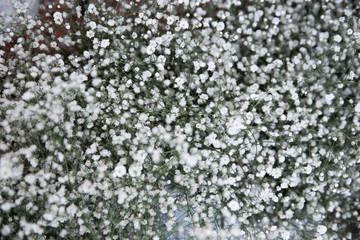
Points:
x=184, y=119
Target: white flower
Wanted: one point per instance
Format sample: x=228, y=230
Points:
x=151, y=49
x=289, y=214
x=6, y=230
x=96, y=82
x=182, y=102
x=92, y=9
x=224, y=160
x=254, y=68
x=235, y=125
x=30, y=179
x=329, y=98
x=285, y=235
x=156, y=155
x=190, y=160
x=119, y=171
x=92, y=25
x=111, y=23
x=7, y=206
x=90, y=34
x=308, y=169
x=170, y=20
x=357, y=108
x=6, y=170
x=211, y=66
x=58, y=18
x=204, y=97
x=146, y=75
x=162, y=3
x=28, y=96
x=321, y=229
x=233, y=205
x=184, y=24
x=357, y=35
x=122, y=195
x=337, y=38
x=224, y=111
x=48, y=216
x=105, y=43
x=220, y=26
x=140, y=156
x=86, y=54
x=276, y=172
x=135, y=170
x=71, y=210
x=143, y=117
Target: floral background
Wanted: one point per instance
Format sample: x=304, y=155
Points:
x=185, y=119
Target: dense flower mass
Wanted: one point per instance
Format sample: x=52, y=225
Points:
x=184, y=119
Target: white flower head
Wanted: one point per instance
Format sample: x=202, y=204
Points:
x=321, y=229
x=58, y=18
x=190, y=160
x=71, y=210
x=220, y=26
x=140, y=156
x=105, y=43
x=151, y=48
x=90, y=34
x=135, y=170
x=162, y=3
x=92, y=25
x=235, y=125
x=329, y=98
x=357, y=108
x=119, y=171
x=111, y=23
x=211, y=66
x=233, y=205
x=254, y=68
x=27, y=96
x=184, y=24
x=122, y=195
x=337, y=38
x=276, y=172
x=7, y=206
x=285, y=235
x=170, y=20
x=224, y=160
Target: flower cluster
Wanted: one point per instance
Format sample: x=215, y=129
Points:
x=184, y=119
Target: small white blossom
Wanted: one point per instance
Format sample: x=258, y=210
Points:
x=71, y=210
x=220, y=26
x=184, y=24
x=135, y=170
x=321, y=229
x=119, y=171
x=170, y=20
x=28, y=96
x=58, y=19
x=105, y=43
x=357, y=108
x=233, y=205
x=151, y=49
x=337, y=38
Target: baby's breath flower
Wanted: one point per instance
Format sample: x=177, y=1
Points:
x=182, y=119
x=119, y=171
x=58, y=18
x=135, y=170
x=104, y=43
x=321, y=229
x=357, y=108
x=233, y=205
